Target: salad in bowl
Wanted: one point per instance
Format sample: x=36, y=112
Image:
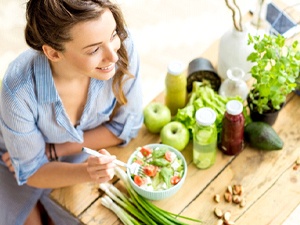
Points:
x=163, y=171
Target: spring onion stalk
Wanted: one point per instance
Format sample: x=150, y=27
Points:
x=120, y=199
x=158, y=215
x=122, y=214
x=154, y=214
x=104, y=187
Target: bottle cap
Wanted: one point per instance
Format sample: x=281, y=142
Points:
x=205, y=116
x=235, y=74
x=234, y=107
x=175, y=68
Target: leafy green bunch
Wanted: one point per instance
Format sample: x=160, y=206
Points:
x=203, y=95
x=276, y=67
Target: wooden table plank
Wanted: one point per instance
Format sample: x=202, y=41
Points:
x=186, y=194
x=282, y=198
x=286, y=128
x=255, y=166
x=77, y=198
x=267, y=177
x=263, y=175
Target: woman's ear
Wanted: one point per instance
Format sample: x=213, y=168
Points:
x=52, y=54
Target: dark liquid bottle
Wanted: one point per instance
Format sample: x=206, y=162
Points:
x=232, y=135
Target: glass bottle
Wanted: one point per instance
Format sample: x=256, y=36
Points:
x=205, y=138
x=232, y=134
x=175, y=92
x=234, y=85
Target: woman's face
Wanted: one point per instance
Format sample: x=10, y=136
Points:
x=93, y=49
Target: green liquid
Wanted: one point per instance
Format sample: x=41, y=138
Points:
x=205, y=147
x=175, y=93
x=204, y=156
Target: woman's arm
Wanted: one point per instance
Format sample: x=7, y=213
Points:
x=60, y=174
x=97, y=138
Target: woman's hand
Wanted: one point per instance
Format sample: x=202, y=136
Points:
x=7, y=161
x=101, y=169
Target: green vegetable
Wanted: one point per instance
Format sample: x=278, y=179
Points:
x=121, y=213
x=134, y=209
x=166, y=173
x=155, y=163
x=160, y=162
x=159, y=152
x=203, y=95
x=262, y=136
x=276, y=67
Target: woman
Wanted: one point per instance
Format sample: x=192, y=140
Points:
x=78, y=85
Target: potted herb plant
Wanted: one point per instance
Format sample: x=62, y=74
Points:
x=276, y=67
x=297, y=90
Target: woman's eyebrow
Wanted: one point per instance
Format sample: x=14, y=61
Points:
x=91, y=45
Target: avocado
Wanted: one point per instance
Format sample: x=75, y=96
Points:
x=262, y=136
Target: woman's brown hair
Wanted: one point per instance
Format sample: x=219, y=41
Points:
x=49, y=22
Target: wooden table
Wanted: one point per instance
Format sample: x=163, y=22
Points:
x=271, y=185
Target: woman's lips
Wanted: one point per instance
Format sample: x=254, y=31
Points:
x=107, y=69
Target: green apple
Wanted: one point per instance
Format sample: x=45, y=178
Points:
x=156, y=116
x=175, y=134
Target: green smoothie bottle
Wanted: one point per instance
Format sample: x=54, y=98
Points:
x=175, y=92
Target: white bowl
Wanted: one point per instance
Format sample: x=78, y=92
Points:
x=162, y=194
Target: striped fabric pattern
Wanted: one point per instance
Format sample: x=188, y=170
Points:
x=32, y=112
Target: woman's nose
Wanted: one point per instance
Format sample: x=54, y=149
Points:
x=110, y=54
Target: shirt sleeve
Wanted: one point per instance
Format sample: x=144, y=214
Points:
x=129, y=118
x=23, y=140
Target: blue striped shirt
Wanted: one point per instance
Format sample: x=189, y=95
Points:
x=32, y=112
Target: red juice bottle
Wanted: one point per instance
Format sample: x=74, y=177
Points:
x=232, y=134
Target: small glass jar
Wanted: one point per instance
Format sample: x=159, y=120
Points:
x=232, y=134
x=175, y=92
x=205, y=138
x=234, y=85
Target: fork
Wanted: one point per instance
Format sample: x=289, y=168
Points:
x=134, y=168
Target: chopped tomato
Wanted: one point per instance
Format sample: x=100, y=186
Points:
x=138, y=180
x=175, y=180
x=150, y=170
x=168, y=156
x=146, y=151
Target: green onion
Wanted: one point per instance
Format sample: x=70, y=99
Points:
x=135, y=209
x=122, y=200
x=122, y=214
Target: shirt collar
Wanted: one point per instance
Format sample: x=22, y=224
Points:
x=46, y=91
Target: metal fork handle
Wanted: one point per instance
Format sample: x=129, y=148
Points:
x=98, y=154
